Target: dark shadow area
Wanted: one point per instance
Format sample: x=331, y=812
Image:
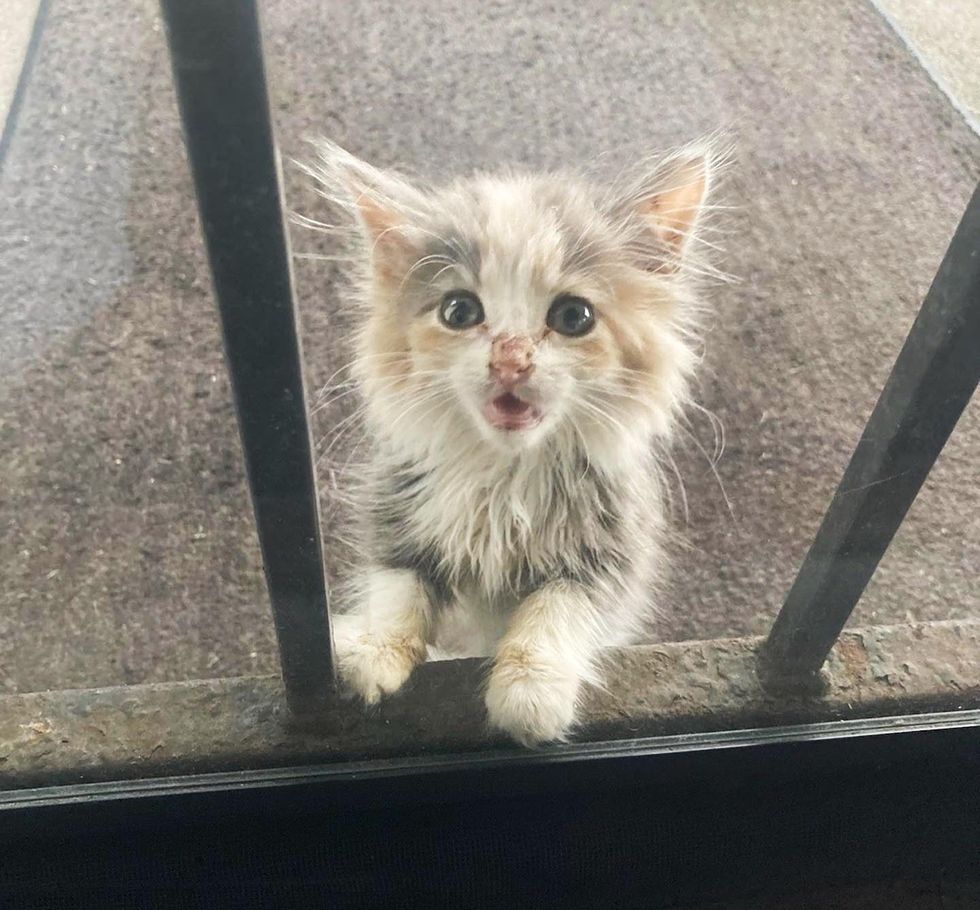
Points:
x=853, y=823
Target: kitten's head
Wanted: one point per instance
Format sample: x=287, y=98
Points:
x=506, y=311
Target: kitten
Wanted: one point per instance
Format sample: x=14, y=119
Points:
x=526, y=345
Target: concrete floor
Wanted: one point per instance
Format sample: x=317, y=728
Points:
x=127, y=550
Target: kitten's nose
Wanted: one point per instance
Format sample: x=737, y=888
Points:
x=510, y=359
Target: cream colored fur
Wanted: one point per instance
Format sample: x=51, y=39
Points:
x=537, y=548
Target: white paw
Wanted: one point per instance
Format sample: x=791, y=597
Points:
x=529, y=698
x=370, y=664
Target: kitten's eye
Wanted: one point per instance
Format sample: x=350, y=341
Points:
x=460, y=310
x=571, y=315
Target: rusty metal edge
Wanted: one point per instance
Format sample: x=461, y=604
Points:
x=157, y=730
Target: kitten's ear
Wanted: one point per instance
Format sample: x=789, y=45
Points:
x=387, y=206
x=674, y=208
x=669, y=198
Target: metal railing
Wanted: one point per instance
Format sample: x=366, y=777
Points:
x=216, y=52
x=217, y=61
x=933, y=379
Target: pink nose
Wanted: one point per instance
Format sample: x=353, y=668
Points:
x=510, y=359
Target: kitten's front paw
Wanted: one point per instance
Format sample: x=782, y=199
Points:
x=373, y=665
x=530, y=698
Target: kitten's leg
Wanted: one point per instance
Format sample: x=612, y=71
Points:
x=547, y=652
x=384, y=639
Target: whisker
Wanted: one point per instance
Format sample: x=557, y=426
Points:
x=714, y=470
x=680, y=482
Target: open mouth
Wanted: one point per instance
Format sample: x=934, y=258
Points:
x=508, y=412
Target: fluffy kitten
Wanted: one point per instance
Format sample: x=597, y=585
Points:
x=525, y=347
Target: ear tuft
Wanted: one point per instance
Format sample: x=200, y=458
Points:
x=667, y=194
x=674, y=208
x=385, y=204
x=376, y=218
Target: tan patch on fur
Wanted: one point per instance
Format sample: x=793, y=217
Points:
x=630, y=331
x=385, y=346
x=674, y=211
x=640, y=324
x=405, y=648
x=514, y=659
x=429, y=340
x=601, y=349
x=374, y=666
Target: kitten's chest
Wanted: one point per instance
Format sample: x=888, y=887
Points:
x=498, y=534
x=497, y=528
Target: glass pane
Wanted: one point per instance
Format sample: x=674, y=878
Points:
x=850, y=173
x=837, y=171
x=127, y=548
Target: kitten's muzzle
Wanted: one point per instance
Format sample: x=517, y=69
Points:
x=511, y=360
x=511, y=364
x=508, y=412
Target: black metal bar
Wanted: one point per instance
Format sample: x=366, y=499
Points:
x=216, y=52
x=933, y=379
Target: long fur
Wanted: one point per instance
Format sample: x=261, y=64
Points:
x=539, y=547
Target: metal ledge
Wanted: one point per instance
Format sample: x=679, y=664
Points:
x=68, y=737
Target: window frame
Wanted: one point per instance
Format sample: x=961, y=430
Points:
x=221, y=87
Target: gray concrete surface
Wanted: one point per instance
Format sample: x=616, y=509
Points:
x=127, y=552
